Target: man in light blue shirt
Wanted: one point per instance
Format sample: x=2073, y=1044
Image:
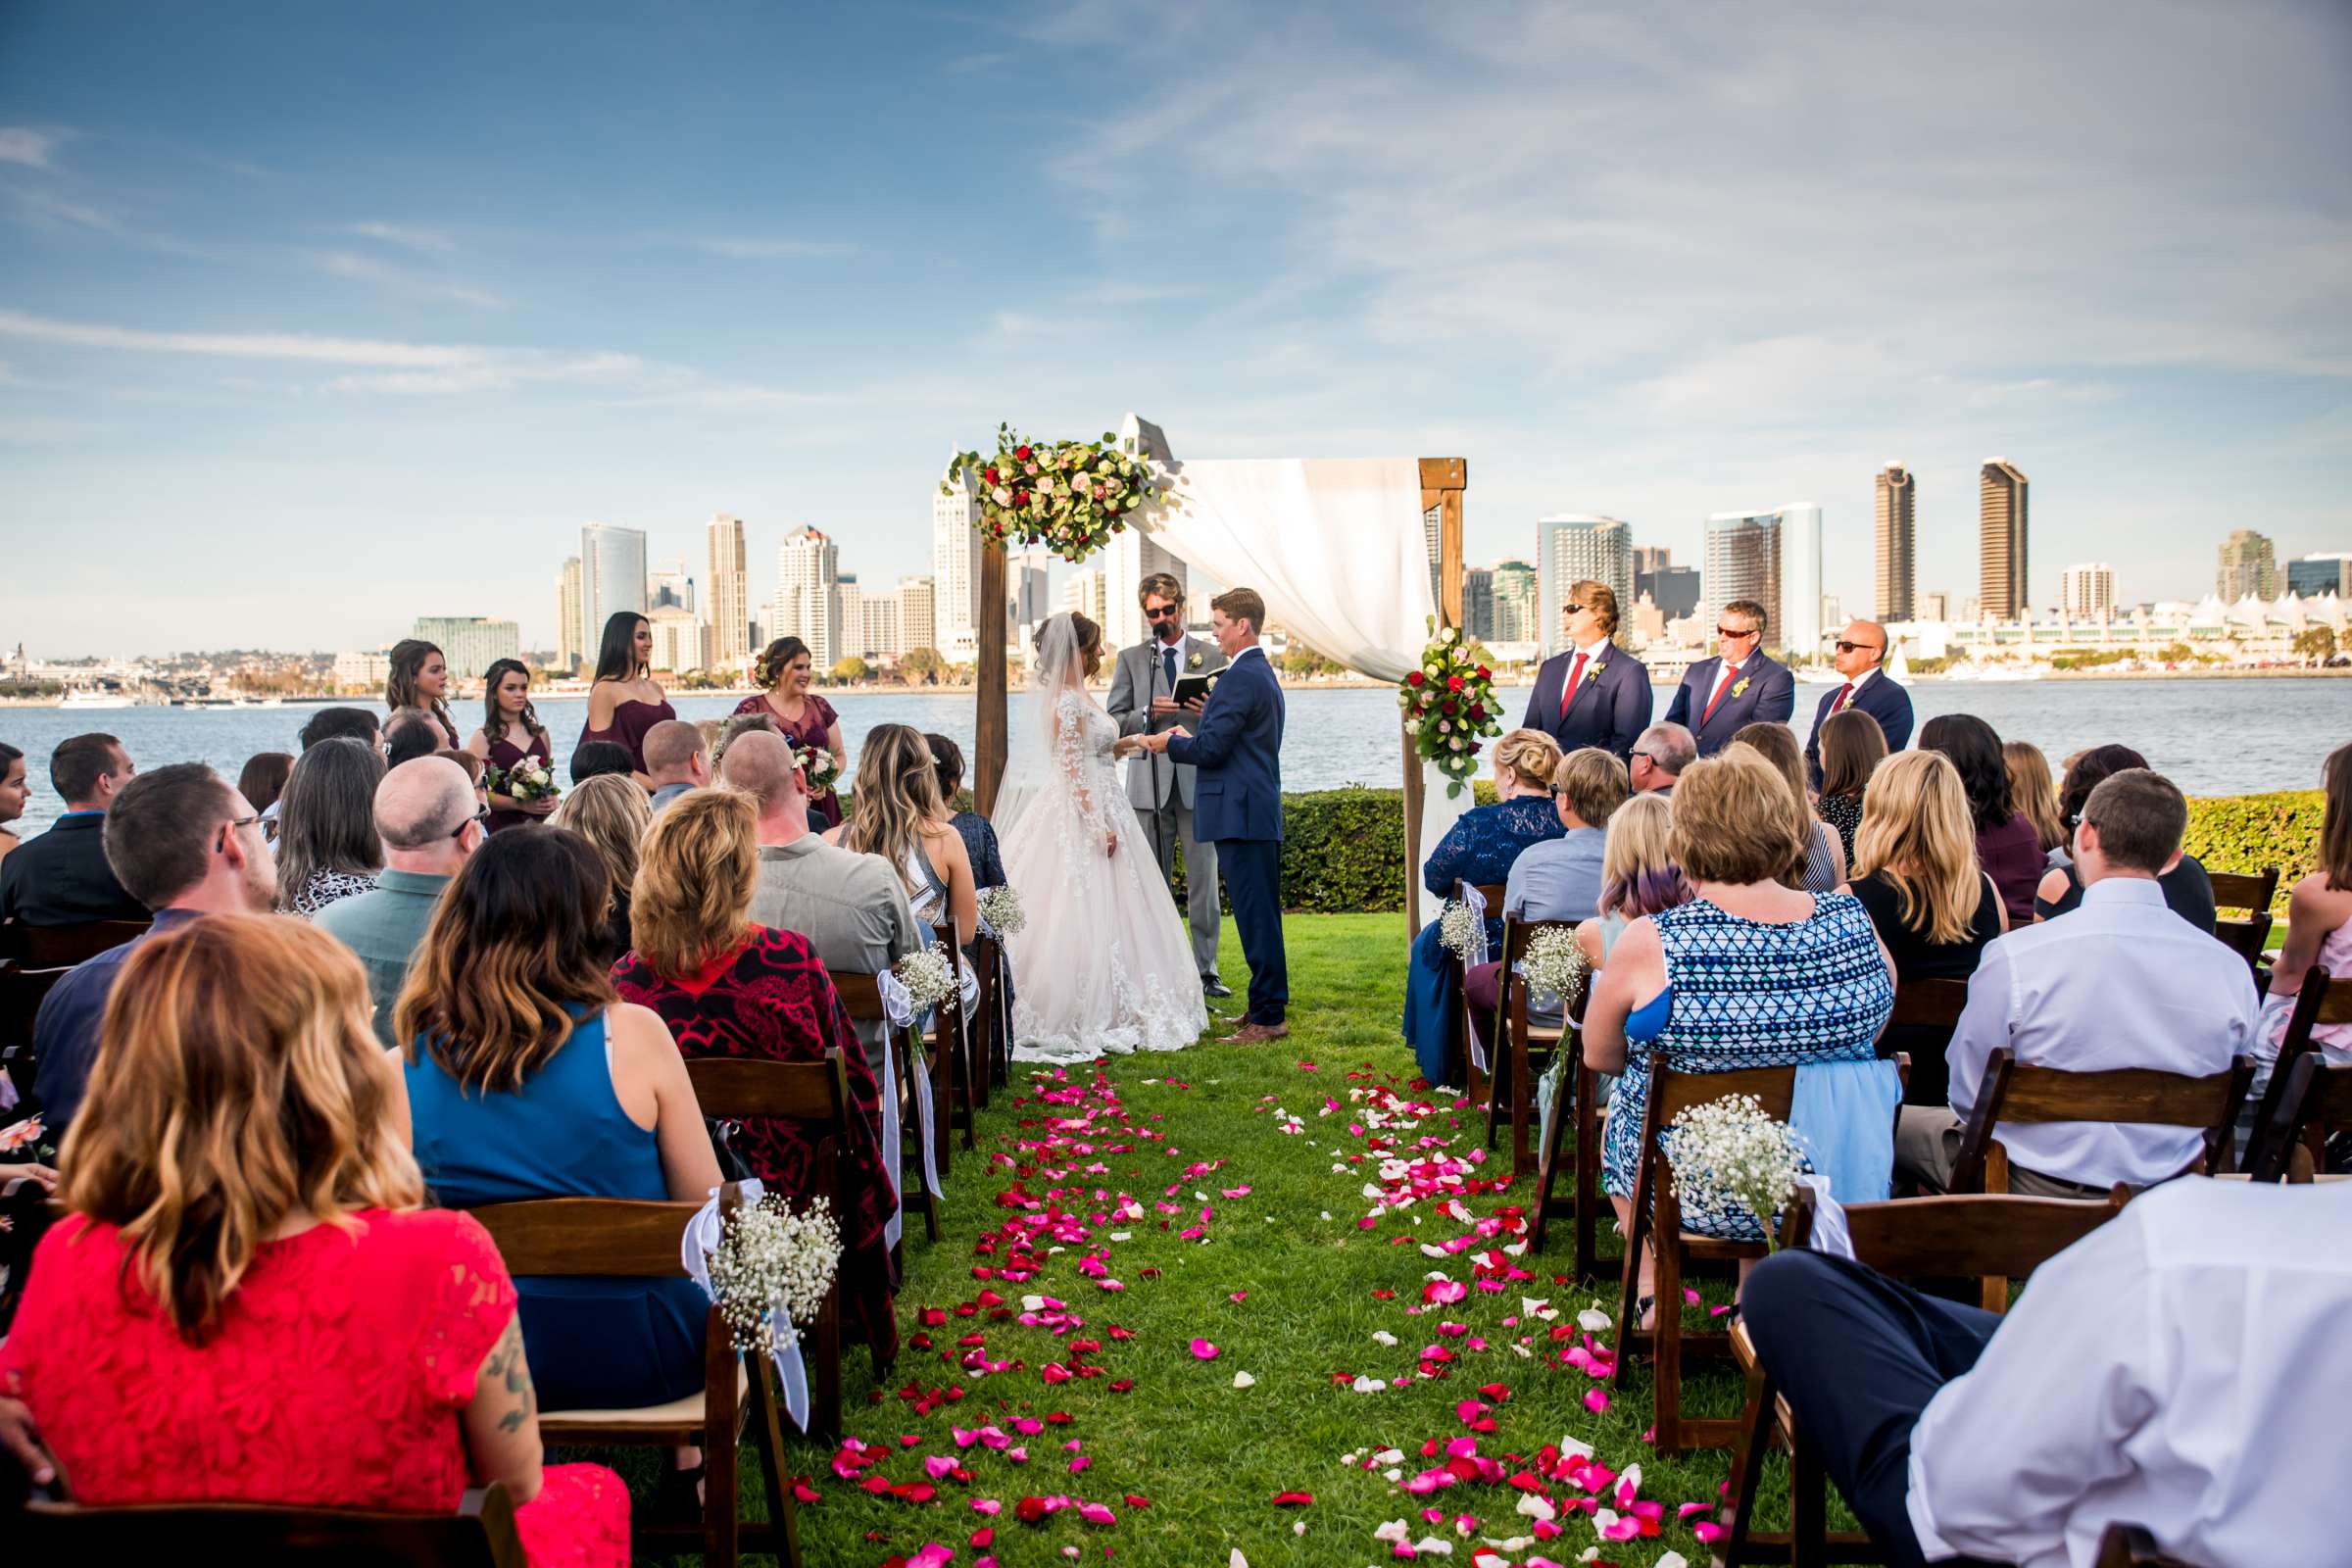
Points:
x=675, y=759
x=2120, y=982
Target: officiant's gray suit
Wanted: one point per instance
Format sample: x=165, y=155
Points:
x=1161, y=791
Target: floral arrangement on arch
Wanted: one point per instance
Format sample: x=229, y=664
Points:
x=1449, y=707
x=1068, y=496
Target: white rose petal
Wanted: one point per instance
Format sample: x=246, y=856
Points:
x=1367, y=1384
x=1243, y=1380
x=1593, y=1320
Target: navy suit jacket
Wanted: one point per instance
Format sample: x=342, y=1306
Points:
x=1770, y=698
x=1882, y=700
x=1610, y=709
x=1237, y=791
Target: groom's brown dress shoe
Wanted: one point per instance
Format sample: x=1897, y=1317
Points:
x=1252, y=1034
x=1233, y=1020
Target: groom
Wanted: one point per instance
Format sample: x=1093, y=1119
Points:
x=1237, y=803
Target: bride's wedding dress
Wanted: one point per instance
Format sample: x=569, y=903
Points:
x=1104, y=965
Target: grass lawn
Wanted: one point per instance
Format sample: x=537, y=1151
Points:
x=1282, y=1282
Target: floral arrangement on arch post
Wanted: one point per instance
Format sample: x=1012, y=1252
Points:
x=1068, y=496
x=1449, y=707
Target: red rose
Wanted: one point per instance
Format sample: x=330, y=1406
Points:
x=1453, y=683
x=1415, y=678
x=1020, y=498
x=1022, y=452
x=1484, y=673
x=990, y=475
x=1449, y=708
x=1478, y=710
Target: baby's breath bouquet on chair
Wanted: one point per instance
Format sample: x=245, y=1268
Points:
x=928, y=975
x=1001, y=908
x=1457, y=929
x=1729, y=1156
x=1554, y=964
x=770, y=1255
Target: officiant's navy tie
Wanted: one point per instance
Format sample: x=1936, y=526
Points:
x=1168, y=662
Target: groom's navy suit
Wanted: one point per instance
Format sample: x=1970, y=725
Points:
x=1237, y=804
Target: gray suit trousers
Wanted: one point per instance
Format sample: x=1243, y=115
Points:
x=1167, y=826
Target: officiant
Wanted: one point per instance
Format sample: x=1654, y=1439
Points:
x=1158, y=685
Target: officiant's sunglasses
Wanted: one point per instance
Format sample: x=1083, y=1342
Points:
x=1164, y=613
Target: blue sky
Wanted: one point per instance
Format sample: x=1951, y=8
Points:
x=314, y=318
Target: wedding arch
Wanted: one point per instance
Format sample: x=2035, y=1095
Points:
x=1337, y=547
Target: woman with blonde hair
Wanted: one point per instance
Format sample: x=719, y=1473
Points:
x=1480, y=849
x=1916, y=871
x=1637, y=874
x=895, y=813
x=611, y=812
x=247, y=1268
x=2035, y=791
x=1820, y=865
x=728, y=987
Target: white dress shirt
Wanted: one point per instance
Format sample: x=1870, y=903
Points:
x=2120, y=982
x=1724, y=676
x=2181, y=1368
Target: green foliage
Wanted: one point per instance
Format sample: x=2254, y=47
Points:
x=851, y=668
x=2255, y=832
x=2316, y=642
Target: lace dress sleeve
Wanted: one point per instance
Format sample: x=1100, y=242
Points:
x=473, y=1299
x=1082, y=757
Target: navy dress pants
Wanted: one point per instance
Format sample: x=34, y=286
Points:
x=1253, y=873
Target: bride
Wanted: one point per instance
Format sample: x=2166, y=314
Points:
x=1103, y=966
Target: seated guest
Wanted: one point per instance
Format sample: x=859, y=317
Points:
x=1851, y=748
x=612, y=818
x=2121, y=983
x=2034, y=792
x=476, y=775
x=1659, y=758
x=675, y=759
x=418, y=688
x=734, y=725
x=1917, y=876
x=2007, y=848
x=896, y=815
x=1820, y=868
x=262, y=782
x=2188, y=890
x=1557, y=879
x=2318, y=923
x=327, y=850
x=1478, y=849
x=246, y=1255
x=408, y=737
x=426, y=814
x=527, y=1077
x=852, y=907
x=184, y=844
x=596, y=758
x=728, y=987
x=61, y=877
x=15, y=792
x=1749, y=973
x=979, y=835
x=1637, y=874
x=2126, y=1350
x=328, y=724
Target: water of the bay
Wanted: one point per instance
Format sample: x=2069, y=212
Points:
x=2211, y=737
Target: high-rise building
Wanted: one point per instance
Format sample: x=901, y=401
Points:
x=1799, y=626
x=1085, y=593
x=1025, y=591
x=1773, y=557
x=568, y=616
x=2001, y=578
x=955, y=550
x=1477, y=601
x=1574, y=548
x=681, y=640
x=669, y=588
x=2313, y=575
x=2249, y=565
x=612, y=579
x=918, y=618
x=1517, y=603
x=1897, y=529
x=808, y=602
x=1648, y=558
x=2087, y=590
x=1130, y=558
x=470, y=644
x=849, y=602
x=1833, y=612
x=727, y=594
x=1934, y=607
x=364, y=672
x=877, y=624
x=1675, y=590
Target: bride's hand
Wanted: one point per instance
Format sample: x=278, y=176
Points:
x=1110, y=845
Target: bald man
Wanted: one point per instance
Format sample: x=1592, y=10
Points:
x=426, y=814
x=1860, y=660
x=675, y=759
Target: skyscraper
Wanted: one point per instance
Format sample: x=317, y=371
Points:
x=669, y=588
x=1743, y=562
x=1516, y=603
x=1935, y=606
x=726, y=596
x=1087, y=593
x=956, y=549
x=1025, y=591
x=2249, y=565
x=808, y=602
x=1650, y=559
x=612, y=578
x=1573, y=548
x=681, y=641
x=1898, y=543
x=2001, y=540
x=568, y=616
x=918, y=618
x=1477, y=601
x=1797, y=627
x=470, y=644
x=1127, y=561
x=849, y=601
x=2313, y=575
x=2087, y=590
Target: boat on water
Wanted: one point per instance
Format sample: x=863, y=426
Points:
x=89, y=697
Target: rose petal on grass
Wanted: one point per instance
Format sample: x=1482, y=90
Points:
x=1204, y=1350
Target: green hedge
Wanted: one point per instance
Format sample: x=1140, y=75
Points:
x=2255, y=832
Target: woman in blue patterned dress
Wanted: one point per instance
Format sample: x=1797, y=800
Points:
x=1749, y=973
x=1478, y=849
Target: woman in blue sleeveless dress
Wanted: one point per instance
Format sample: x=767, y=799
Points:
x=1749, y=973
x=527, y=1078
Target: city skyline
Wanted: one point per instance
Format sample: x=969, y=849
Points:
x=324, y=319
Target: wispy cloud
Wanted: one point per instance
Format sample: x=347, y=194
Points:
x=22, y=144
x=401, y=281
x=750, y=248
x=411, y=237
x=295, y=346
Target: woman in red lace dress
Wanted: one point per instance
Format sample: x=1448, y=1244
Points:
x=276, y=1321
x=784, y=668
x=728, y=987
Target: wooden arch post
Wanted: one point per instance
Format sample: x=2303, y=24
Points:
x=988, y=731
x=1443, y=481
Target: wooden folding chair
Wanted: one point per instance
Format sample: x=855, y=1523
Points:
x=22, y=992
x=1658, y=1212
x=1576, y=1132
x=2322, y=1001
x=862, y=998
x=991, y=1039
x=816, y=1093
x=958, y=1038
x=1996, y=1237
x=61, y=946
x=2132, y=1547
x=2236, y=889
x=1522, y=1051
x=2317, y=1102
x=479, y=1535
x=624, y=1239
x=1465, y=1038
x=2021, y=1092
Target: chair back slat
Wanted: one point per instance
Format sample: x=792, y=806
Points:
x=2248, y=891
x=1491, y=891
x=52, y=947
x=1519, y=935
x=859, y=995
x=1929, y=1004
x=795, y=1091
x=1674, y=1093
x=479, y=1535
x=626, y=1238
x=1996, y=1234
x=2122, y=1094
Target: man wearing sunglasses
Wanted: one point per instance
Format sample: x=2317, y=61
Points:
x=1594, y=692
x=1740, y=685
x=1861, y=653
x=1143, y=700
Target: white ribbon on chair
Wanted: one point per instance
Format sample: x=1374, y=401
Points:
x=695, y=1246
x=1830, y=1234
x=1476, y=903
x=898, y=1006
x=895, y=1225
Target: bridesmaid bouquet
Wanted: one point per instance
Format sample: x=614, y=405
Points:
x=526, y=780
x=768, y=1256
x=818, y=770
x=1001, y=908
x=1728, y=1154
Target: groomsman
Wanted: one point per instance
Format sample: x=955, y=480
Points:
x=1861, y=653
x=1142, y=701
x=1739, y=686
x=1596, y=693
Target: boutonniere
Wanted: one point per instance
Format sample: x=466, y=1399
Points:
x=1598, y=664
x=1738, y=686
x=1193, y=662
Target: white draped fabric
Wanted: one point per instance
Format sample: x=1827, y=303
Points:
x=1338, y=550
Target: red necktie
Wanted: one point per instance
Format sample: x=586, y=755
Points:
x=1845, y=695
x=1568, y=692
x=1731, y=678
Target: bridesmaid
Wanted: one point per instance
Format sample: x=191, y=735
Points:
x=510, y=732
x=804, y=719
x=625, y=701
x=418, y=687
